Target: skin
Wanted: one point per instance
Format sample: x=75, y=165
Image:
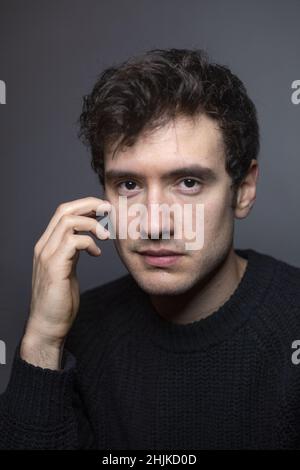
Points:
x=201, y=280
x=55, y=288
x=191, y=289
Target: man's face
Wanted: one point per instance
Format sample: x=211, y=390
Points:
x=148, y=178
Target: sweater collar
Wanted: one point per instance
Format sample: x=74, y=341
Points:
x=244, y=301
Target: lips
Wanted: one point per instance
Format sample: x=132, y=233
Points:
x=160, y=253
x=160, y=258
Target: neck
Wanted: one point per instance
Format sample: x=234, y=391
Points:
x=204, y=299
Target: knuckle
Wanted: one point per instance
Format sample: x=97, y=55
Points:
x=87, y=239
x=92, y=199
x=89, y=242
x=62, y=208
x=43, y=257
x=66, y=219
x=36, y=249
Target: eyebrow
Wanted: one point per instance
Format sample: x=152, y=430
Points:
x=202, y=172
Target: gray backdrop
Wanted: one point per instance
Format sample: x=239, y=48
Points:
x=50, y=55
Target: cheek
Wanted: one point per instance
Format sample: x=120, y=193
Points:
x=218, y=216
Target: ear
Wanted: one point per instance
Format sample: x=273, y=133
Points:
x=246, y=192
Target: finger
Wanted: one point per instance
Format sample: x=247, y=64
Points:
x=74, y=244
x=70, y=223
x=88, y=206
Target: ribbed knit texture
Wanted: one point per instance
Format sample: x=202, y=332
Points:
x=133, y=380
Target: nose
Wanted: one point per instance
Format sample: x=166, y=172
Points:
x=157, y=221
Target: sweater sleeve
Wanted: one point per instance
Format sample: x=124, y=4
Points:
x=40, y=408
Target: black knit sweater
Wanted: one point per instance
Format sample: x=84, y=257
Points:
x=133, y=380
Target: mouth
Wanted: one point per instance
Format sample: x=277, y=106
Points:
x=161, y=258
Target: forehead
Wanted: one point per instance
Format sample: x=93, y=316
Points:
x=180, y=142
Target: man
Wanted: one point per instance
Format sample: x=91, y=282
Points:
x=193, y=348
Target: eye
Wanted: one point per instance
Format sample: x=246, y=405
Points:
x=127, y=186
x=190, y=184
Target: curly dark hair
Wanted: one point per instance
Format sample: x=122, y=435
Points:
x=146, y=91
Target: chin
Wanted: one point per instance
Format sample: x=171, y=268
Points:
x=162, y=284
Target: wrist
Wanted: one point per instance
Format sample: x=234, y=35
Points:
x=41, y=351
